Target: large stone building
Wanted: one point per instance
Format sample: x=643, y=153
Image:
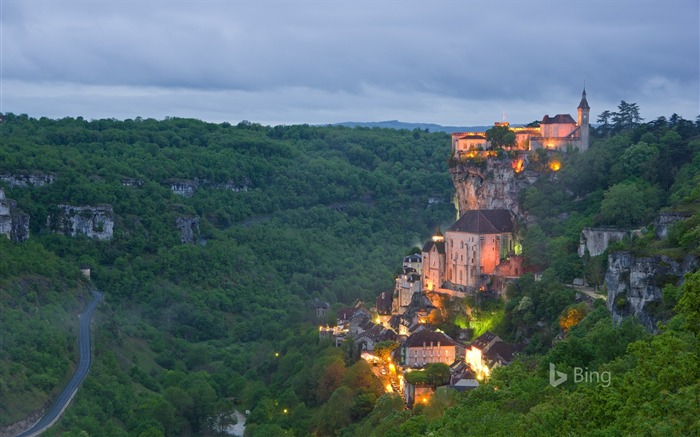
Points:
x=470, y=251
x=554, y=133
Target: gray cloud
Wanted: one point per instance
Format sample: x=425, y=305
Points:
x=458, y=62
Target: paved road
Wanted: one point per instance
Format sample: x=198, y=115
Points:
x=56, y=411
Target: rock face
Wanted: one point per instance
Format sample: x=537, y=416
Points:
x=24, y=180
x=597, y=240
x=183, y=187
x=14, y=224
x=494, y=184
x=664, y=221
x=187, y=188
x=634, y=283
x=189, y=229
x=92, y=221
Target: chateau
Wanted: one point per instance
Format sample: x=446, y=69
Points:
x=553, y=133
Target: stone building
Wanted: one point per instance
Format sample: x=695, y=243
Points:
x=554, y=133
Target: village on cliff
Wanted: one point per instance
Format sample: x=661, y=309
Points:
x=477, y=257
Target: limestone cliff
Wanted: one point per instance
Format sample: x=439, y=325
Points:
x=14, y=224
x=491, y=183
x=24, y=180
x=92, y=221
x=189, y=229
x=634, y=283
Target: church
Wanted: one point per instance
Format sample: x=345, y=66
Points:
x=470, y=251
x=553, y=133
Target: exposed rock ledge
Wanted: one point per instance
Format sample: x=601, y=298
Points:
x=634, y=284
x=92, y=221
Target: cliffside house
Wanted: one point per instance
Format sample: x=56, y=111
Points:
x=554, y=133
x=433, y=255
x=427, y=347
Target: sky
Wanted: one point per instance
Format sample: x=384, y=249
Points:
x=462, y=63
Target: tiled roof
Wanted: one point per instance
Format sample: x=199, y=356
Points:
x=558, y=119
x=417, y=339
x=384, y=303
x=584, y=102
x=440, y=246
x=501, y=351
x=346, y=313
x=484, y=221
x=484, y=339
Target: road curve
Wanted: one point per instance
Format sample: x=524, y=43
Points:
x=56, y=411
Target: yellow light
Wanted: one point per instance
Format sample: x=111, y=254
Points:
x=554, y=165
x=277, y=354
x=285, y=411
x=392, y=368
x=320, y=328
x=389, y=388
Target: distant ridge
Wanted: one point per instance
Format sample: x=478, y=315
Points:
x=395, y=124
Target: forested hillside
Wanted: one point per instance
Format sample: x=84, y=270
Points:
x=216, y=315
x=286, y=214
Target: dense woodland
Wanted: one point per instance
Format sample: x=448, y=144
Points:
x=187, y=332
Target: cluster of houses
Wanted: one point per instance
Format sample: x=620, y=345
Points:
x=403, y=316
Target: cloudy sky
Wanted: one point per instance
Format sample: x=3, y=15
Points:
x=283, y=62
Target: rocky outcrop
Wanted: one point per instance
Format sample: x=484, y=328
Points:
x=24, y=180
x=597, y=240
x=665, y=220
x=14, y=224
x=182, y=187
x=92, y=221
x=135, y=183
x=187, y=188
x=635, y=284
x=189, y=229
x=490, y=183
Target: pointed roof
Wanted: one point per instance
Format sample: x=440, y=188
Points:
x=484, y=221
x=584, y=102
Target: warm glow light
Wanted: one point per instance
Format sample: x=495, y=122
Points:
x=277, y=354
x=320, y=328
x=389, y=388
x=285, y=411
x=425, y=400
x=554, y=165
x=475, y=360
x=518, y=165
x=392, y=367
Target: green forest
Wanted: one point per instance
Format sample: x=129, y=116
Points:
x=187, y=332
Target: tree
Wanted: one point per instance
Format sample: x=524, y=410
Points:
x=604, y=120
x=383, y=349
x=500, y=136
x=627, y=204
x=627, y=116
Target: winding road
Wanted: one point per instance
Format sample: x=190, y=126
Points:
x=56, y=411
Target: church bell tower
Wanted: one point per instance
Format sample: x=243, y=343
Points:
x=583, y=123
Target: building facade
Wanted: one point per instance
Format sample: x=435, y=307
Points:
x=554, y=133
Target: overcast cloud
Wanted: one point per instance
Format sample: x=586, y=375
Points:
x=284, y=62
